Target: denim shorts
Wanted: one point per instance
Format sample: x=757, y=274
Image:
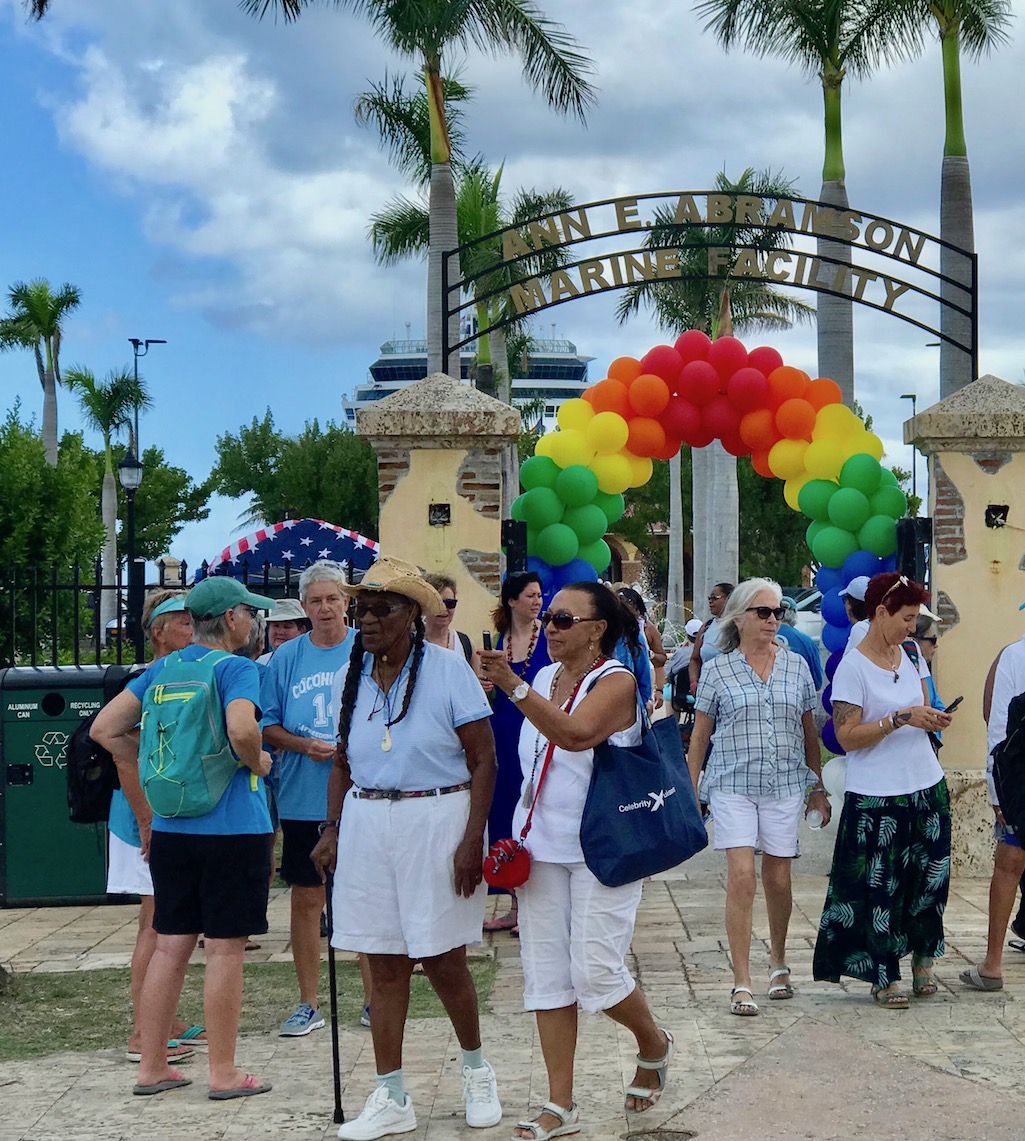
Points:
x=1003, y=835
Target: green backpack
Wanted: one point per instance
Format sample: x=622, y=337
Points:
x=185, y=759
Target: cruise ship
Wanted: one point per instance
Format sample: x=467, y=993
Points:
x=556, y=373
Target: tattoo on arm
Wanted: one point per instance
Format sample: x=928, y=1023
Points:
x=904, y=716
x=843, y=712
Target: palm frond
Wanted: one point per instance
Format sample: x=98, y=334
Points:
x=400, y=230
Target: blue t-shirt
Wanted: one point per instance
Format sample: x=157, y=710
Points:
x=425, y=749
x=638, y=662
x=800, y=643
x=297, y=695
x=242, y=810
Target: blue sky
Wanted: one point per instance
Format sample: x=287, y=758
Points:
x=199, y=176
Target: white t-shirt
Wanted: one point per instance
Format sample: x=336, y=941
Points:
x=857, y=633
x=903, y=761
x=1008, y=682
x=554, y=835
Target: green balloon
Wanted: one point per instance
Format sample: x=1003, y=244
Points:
x=814, y=528
x=541, y=507
x=531, y=541
x=612, y=505
x=862, y=472
x=538, y=471
x=848, y=509
x=879, y=535
x=576, y=485
x=889, y=501
x=516, y=509
x=813, y=499
x=597, y=554
x=832, y=545
x=588, y=523
x=557, y=544
x=887, y=477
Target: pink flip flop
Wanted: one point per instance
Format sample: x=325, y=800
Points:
x=249, y=1088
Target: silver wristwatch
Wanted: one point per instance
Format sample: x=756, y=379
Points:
x=520, y=692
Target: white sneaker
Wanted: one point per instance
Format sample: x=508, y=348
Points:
x=381, y=1116
x=480, y=1092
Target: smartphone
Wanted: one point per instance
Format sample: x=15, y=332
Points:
x=954, y=704
x=485, y=639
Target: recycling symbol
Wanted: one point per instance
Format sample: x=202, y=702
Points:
x=53, y=749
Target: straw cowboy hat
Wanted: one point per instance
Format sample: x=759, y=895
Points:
x=400, y=577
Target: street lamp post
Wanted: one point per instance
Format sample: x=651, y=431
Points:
x=913, y=397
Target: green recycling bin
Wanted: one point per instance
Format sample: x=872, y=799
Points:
x=44, y=858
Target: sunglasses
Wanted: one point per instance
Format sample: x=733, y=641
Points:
x=766, y=612
x=250, y=610
x=378, y=609
x=563, y=620
x=450, y=603
x=932, y=641
x=902, y=580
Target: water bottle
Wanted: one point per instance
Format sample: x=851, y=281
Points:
x=815, y=819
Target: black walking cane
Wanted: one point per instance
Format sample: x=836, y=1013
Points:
x=333, y=987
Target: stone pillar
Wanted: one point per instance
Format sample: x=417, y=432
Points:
x=975, y=443
x=442, y=460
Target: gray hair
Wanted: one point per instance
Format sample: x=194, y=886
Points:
x=737, y=604
x=209, y=629
x=324, y=570
x=255, y=642
x=790, y=618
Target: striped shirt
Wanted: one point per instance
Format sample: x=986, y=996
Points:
x=758, y=738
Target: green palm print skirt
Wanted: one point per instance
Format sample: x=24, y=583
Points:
x=887, y=887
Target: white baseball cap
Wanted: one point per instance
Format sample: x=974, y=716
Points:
x=693, y=627
x=856, y=588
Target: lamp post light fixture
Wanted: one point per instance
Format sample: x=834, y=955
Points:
x=913, y=397
x=129, y=472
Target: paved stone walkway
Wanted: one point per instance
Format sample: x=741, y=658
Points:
x=828, y=1064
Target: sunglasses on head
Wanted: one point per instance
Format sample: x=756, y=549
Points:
x=902, y=580
x=378, y=608
x=563, y=620
x=450, y=603
x=766, y=612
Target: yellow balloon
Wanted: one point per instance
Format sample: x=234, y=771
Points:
x=786, y=458
x=543, y=447
x=873, y=445
x=823, y=459
x=642, y=468
x=834, y=422
x=791, y=490
x=607, y=433
x=575, y=413
x=571, y=447
x=614, y=473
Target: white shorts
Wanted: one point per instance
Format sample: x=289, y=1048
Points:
x=394, y=888
x=756, y=822
x=127, y=871
x=574, y=936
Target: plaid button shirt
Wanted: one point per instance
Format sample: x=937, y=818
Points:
x=758, y=738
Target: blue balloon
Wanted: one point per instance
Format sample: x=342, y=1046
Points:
x=834, y=637
x=833, y=610
x=830, y=741
x=828, y=578
x=832, y=662
x=544, y=572
x=827, y=699
x=576, y=570
x=858, y=564
x=887, y=565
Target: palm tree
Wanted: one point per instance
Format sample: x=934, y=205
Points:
x=425, y=31
x=108, y=407
x=716, y=307
x=972, y=27
x=35, y=322
x=828, y=39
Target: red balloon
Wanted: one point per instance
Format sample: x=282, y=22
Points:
x=786, y=383
x=668, y=450
x=701, y=438
x=720, y=417
x=625, y=369
x=735, y=445
x=795, y=419
x=647, y=437
x=758, y=429
x=760, y=462
x=726, y=355
x=663, y=361
x=823, y=391
x=747, y=389
x=681, y=418
x=648, y=395
x=611, y=395
x=698, y=382
x=693, y=345
x=764, y=358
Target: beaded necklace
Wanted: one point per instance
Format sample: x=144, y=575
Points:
x=535, y=629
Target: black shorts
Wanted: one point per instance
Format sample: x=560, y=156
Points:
x=216, y=886
x=298, y=839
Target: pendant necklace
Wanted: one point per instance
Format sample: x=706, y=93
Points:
x=387, y=706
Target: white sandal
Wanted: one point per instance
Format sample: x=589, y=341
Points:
x=569, y=1122
x=745, y=1007
x=660, y=1066
x=780, y=990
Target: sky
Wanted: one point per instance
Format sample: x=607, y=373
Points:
x=198, y=174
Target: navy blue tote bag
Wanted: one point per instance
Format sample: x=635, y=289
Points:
x=641, y=816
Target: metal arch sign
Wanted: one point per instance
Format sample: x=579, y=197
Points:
x=889, y=266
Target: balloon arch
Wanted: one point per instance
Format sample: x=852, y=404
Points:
x=794, y=428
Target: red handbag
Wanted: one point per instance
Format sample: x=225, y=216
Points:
x=507, y=863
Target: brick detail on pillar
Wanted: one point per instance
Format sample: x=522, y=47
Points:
x=948, y=519
x=485, y=567
x=480, y=480
x=947, y=611
x=392, y=465
x=991, y=462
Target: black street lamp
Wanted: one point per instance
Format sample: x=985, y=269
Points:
x=913, y=397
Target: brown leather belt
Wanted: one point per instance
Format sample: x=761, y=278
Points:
x=399, y=794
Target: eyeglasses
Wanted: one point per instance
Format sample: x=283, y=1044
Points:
x=717, y=598
x=766, y=612
x=250, y=610
x=931, y=640
x=450, y=603
x=378, y=609
x=563, y=620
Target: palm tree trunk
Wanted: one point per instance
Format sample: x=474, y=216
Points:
x=444, y=235
x=500, y=363
x=675, y=591
x=108, y=558
x=50, y=416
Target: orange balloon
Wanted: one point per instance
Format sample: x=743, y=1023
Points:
x=758, y=429
x=760, y=462
x=626, y=369
x=588, y=395
x=786, y=383
x=611, y=395
x=823, y=391
x=795, y=418
x=668, y=449
x=647, y=437
x=649, y=395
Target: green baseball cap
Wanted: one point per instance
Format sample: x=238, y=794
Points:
x=218, y=593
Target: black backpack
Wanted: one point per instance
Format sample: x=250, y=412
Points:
x=1009, y=767
x=90, y=770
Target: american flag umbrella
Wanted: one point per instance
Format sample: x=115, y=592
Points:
x=295, y=541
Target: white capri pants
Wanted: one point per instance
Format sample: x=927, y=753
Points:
x=127, y=871
x=574, y=936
